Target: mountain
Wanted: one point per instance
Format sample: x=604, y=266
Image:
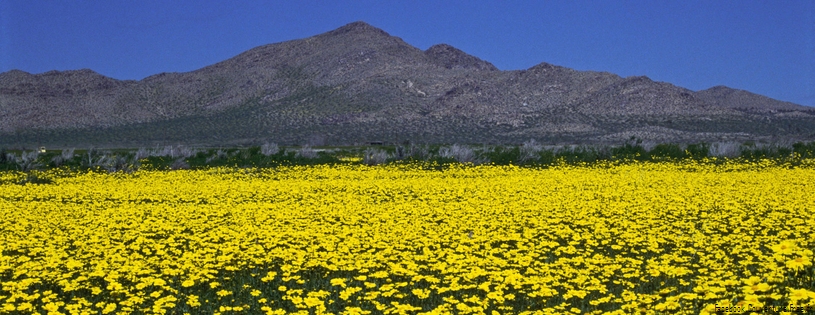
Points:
x=744, y=100
x=358, y=84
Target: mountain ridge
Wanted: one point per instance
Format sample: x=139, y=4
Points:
x=358, y=83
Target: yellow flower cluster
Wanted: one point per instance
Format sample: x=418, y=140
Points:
x=656, y=238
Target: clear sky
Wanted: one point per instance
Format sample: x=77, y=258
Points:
x=766, y=47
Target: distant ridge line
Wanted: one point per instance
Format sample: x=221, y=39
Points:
x=358, y=83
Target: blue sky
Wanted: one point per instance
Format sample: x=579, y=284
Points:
x=766, y=47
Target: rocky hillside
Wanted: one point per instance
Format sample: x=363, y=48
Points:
x=358, y=84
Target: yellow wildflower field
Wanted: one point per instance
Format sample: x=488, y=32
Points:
x=657, y=238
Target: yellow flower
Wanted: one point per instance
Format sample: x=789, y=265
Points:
x=109, y=308
x=753, y=300
x=800, y=294
x=338, y=282
x=192, y=300
x=312, y=301
x=51, y=307
x=353, y=310
x=353, y=235
x=421, y=293
x=25, y=306
x=785, y=248
x=347, y=292
x=269, y=276
x=752, y=280
x=799, y=263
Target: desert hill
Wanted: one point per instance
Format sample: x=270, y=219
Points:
x=358, y=84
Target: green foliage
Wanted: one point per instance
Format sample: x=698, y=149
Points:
x=629, y=152
x=6, y=162
x=667, y=151
x=322, y=158
x=752, y=154
x=697, y=150
x=253, y=151
x=804, y=150
x=500, y=155
x=172, y=158
x=579, y=155
x=546, y=157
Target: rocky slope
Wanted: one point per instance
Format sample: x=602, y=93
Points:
x=358, y=83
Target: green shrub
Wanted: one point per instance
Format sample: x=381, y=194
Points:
x=579, y=155
x=7, y=161
x=269, y=155
x=784, y=152
x=629, y=152
x=504, y=156
x=546, y=157
x=697, y=150
x=756, y=152
x=667, y=152
x=804, y=150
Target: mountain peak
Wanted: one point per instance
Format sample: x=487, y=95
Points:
x=545, y=66
x=358, y=27
x=15, y=72
x=718, y=89
x=736, y=98
x=638, y=79
x=357, y=84
x=453, y=58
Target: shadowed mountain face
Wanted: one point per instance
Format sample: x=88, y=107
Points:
x=358, y=83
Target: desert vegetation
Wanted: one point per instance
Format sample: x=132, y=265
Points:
x=270, y=154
